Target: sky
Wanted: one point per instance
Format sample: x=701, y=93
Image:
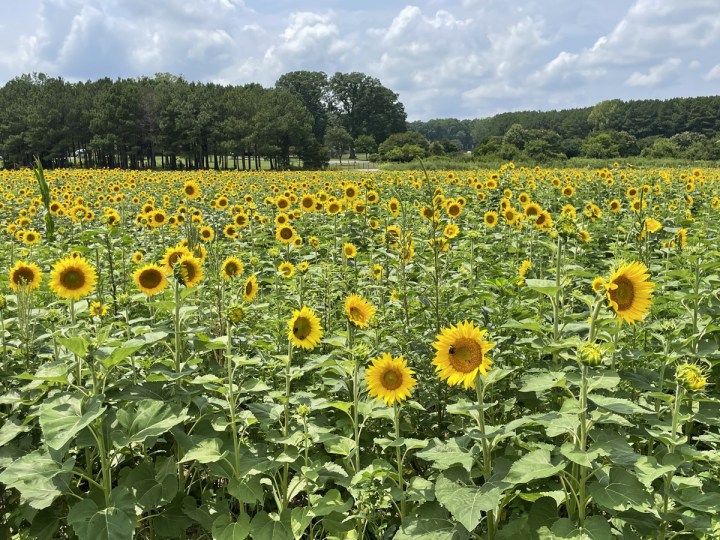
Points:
x=445, y=59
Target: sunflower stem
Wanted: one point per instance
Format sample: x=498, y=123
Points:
x=667, y=480
x=486, y=449
x=582, y=444
x=178, y=335
x=355, y=393
x=231, y=399
x=286, y=424
x=399, y=458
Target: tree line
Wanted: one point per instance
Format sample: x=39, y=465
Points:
x=674, y=128
x=166, y=121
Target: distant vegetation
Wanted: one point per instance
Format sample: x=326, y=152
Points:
x=168, y=122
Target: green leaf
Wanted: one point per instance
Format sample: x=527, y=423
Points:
x=206, y=451
x=648, y=470
x=702, y=502
x=37, y=477
x=543, y=286
x=465, y=503
x=300, y=518
x=533, y=466
x=543, y=513
x=622, y=492
x=266, y=526
x=618, y=405
x=445, y=454
x=430, y=528
x=328, y=503
x=93, y=523
x=247, y=491
x=542, y=382
x=225, y=529
x=65, y=415
x=574, y=454
x=147, y=418
x=10, y=430
x=76, y=345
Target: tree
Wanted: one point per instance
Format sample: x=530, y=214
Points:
x=366, y=144
x=600, y=145
x=338, y=140
x=603, y=113
x=311, y=88
x=389, y=148
x=365, y=107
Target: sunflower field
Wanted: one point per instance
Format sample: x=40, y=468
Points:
x=501, y=354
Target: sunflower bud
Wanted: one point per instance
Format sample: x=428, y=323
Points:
x=691, y=377
x=235, y=314
x=303, y=410
x=589, y=355
x=2, y=301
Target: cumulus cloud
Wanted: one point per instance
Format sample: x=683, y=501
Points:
x=444, y=58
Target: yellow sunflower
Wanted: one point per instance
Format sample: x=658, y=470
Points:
x=25, y=275
x=250, y=289
x=461, y=354
x=191, y=190
x=73, y=277
x=490, y=219
x=629, y=293
x=232, y=267
x=31, y=238
x=207, y=234
x=359, y=310
x=285, y=234
x=191, y=271
x=349, y=250
x=304, y=329
x=451, y=230
x=172, y=255
x=150, y=279
x=287, y=269
x=389, y=379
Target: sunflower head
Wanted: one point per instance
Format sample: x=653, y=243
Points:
x=691, y=377
x=150, y=279
x=286, y=269
x=461, y=353
x=629, y=292
x=25, y=276
x=189, y=270
x=358, y=310
x=349, y=250
x=250, y=288
x=304, y=329
x=232, y=267
x=73, y=277
x=389, y=379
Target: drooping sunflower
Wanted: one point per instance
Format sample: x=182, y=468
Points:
x=359, y=310
x=250, y=288
x=304, y=329
x=629, y=293
x=73, y=277
x=191, y=271
x=150, y=279
x=25, y=275
x=461, y=354
x=390, y=379
x=232, y=267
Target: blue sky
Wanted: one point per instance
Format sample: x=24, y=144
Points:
x=461, y=58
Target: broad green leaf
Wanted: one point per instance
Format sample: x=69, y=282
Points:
x=10, y=430
x=430, y=528
x=225, y=529
x=648, y=470
x=37, y=477
x=93, y=523
x=618, y=405
x=466, y=503
x=622, y=492
x=300, y=518
x=266, y=526
x=206, y=451
x=76, y=345
x=543, y=512
x=328, y=503
x=65, y=415
x=247, y=491
x=147, y=418
x=445, y=454
x=542, y=382
x=544, y=286
x=697, y=500
x=574, y=454
x=533, y=466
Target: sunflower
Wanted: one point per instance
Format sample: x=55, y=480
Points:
x=191, y=272
x=207, y=234
x=358, y=310
x=150, y=279
x=230, y=231
x=525, y=267
x=598, y=284
x=232, y=267
x=287, y=269
x=629, y=293
x=304, y=329
x=453, y=209
x=568, y=191
x=349, y=250
x=376, y=271
x=307, y=203
x=333, y=208
x=250, y=289
x=615, y=206
x=285, y=234
x=461, y=354
x=191, y=190
x=73, y=277
x=25, y=275
x=490, y=219
x=392, y=236
x=350, y=191
x=97, y=309
x=451, y=230
x=172, y=255
x=31, y=238
x=389, y=379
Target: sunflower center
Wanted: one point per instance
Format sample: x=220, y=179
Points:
x=73, y=279
x=624, y=294
x=465, y=355
x=150, y=279
x=392, y=379
x=356, y=314
x=248, y=289
x=231, y=269
x=286, y=233
x=302, y=328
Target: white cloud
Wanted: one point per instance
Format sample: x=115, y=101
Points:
x=713, y=74
x=655, y=75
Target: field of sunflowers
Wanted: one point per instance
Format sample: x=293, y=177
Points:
x=505, y=354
